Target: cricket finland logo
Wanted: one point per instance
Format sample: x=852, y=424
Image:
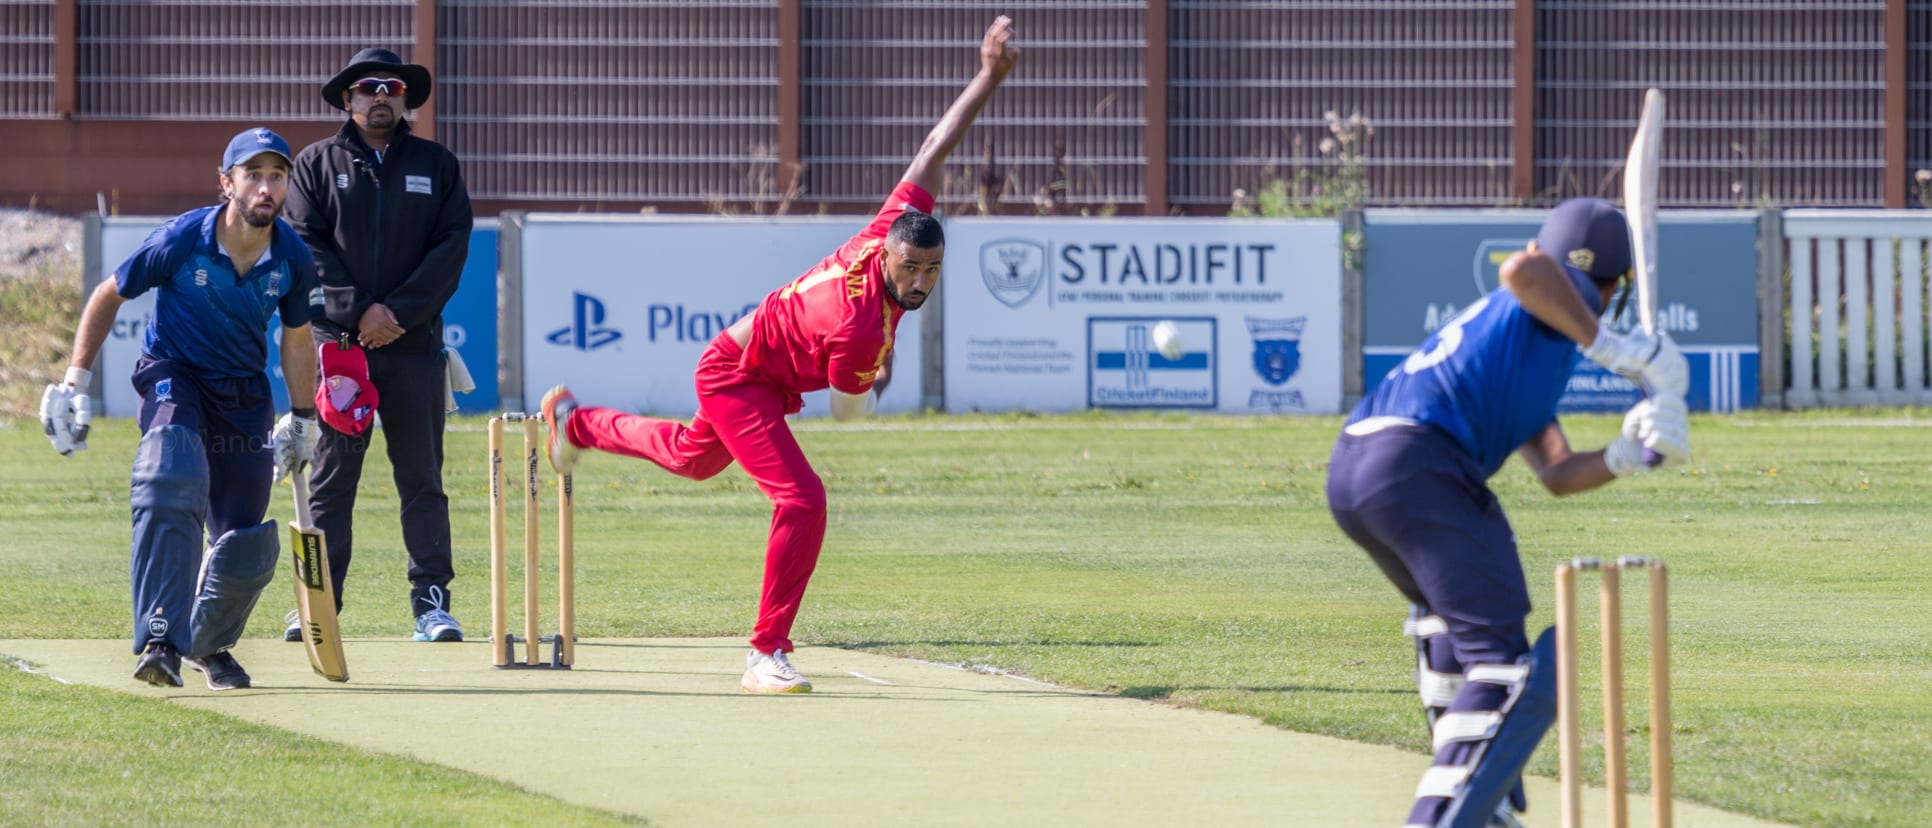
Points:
x=1126, y=370
x=1013, y=269
x=1277, y=357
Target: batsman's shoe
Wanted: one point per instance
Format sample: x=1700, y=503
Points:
x=1505, y=817
x=772, y=673
x=558, y=405
x=223, y=671
x=437, y=625
x=160, y=665
x=293, y=632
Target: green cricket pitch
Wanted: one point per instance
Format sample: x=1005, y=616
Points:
x=657, y=728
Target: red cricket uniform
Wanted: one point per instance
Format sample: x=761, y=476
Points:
x=833, y=326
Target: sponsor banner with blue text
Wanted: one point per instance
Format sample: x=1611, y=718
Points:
x=1058, y=315
x=621, y=307
x=1421, y=268
x=469, y=321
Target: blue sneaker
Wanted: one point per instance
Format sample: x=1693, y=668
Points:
x=435, y=623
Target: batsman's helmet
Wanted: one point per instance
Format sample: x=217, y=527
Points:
x=1589, y=234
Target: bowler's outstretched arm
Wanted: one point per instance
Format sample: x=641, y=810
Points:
x=997, y=55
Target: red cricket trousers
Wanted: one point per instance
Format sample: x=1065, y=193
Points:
x=740, y=417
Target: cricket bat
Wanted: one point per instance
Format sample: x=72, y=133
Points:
x=315, y=587
x=1640, y=206
x=1640, y=210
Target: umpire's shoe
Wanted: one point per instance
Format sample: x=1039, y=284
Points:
x=160, y=665
x=224, y=672
x=293, y=632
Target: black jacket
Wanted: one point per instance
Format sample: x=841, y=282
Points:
x=394, y=230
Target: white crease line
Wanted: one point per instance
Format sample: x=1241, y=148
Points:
x=1841, y=422
x=24, y=667
x=869, y=678
x=990, y=670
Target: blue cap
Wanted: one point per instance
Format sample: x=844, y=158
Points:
x=1589, y=234
x=252, y=142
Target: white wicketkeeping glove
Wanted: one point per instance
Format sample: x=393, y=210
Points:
x=1659, y=424
x=66, y=412
x=1650, y=360
x=293, y=443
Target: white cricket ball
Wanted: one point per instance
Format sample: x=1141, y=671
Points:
x=1167, y=340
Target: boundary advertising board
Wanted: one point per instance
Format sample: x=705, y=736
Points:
x=1057, y=314
x=620, y=307
x=1423, y=267
x=469, y=320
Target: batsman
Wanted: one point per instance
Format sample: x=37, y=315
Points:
x=1409, y=483
x=206, y=454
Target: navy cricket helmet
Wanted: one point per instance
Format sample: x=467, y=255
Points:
x=1589, y=234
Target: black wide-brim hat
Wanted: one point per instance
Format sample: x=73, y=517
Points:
x=372, y=60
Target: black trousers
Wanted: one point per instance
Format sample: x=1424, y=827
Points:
x=410, y=387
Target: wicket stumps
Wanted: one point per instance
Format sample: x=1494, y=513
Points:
x=503, y=645
x=1569, y=722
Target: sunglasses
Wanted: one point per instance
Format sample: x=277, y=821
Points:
x=393, y=87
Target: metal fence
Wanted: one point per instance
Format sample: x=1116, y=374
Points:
x=581, y=104
x=591, y=102
x=26, y=58
x=1770, y=101
x=1918, y=126
x=877, y=76
x=148, y=60
x=1253, y=84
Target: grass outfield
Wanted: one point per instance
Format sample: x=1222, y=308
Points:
x=1177, y=558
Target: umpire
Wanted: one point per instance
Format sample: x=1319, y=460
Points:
x=389, y=221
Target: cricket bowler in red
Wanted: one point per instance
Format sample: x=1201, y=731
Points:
x=834, y=328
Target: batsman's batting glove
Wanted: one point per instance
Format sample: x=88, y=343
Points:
x=66, y=412
x=1650, y=360
x=1624, y=457
x=1625, y=454
x=293, y=442
x=1659, y=424
x=1665, y=428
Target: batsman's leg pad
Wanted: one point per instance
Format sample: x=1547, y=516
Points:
x=1438, y=675
x=169, y=498
x=234, y=574
x=1487, y=736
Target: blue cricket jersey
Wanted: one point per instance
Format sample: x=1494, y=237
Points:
x=1490, y=378
x=205, y=315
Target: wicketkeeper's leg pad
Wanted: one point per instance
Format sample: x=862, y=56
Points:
x=169, y=497
x=237, y=569
x=1487, y=737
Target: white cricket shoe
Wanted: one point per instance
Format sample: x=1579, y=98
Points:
x=558, y=404
x=772, y=673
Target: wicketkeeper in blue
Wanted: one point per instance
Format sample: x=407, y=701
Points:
x=205, y=461
x=1409, y=482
